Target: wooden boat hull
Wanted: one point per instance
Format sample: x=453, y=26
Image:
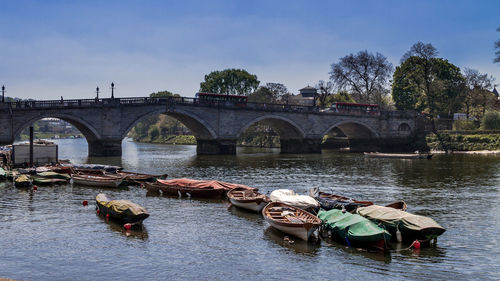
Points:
x=303, y=225
x=88, y=181
x=252, y=206
x=187, y=192
x=248, y=199
x=297, y=231
x=399, y=155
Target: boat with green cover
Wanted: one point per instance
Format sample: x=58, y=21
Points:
x=54, y=175
x=47, y=181
x=409, y=225
x=353, y=229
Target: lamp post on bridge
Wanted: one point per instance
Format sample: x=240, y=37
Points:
x=97, y=92
x=112, y=90
x=3, y=93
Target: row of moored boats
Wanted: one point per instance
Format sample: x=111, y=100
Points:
x=353, y=222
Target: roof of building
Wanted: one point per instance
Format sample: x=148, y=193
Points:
x=308, y=88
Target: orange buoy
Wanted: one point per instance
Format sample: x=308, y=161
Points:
x=85, y=203
x=127, y=226
x=416, y=244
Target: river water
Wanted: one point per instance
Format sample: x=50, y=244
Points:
x=49, y=235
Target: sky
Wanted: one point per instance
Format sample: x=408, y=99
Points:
x=50, y=49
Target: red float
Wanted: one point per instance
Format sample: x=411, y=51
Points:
x=85, y=203
x=127, y=226
x=416, y=244
x=35, y=187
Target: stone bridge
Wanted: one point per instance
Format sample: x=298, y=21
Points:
x=217, y=127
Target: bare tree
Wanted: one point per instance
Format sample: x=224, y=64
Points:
x=477, y=92
x=421, y=50
x=325, y=90
x=497, y=46
x=277, y=90
x=365, y=75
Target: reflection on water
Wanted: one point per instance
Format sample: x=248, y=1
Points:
x=380, y=256
x=138, y=231
x=297, y=245
x=201, y=239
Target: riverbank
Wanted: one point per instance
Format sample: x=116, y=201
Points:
x=464, y=141
x=169, y=139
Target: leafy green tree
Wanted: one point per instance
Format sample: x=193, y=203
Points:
x=230, y=82
x=341, y=96
x=491, y=120
x=364, y=75
x=153, y=132
x=270, y=93
x=277, y=90
x=262, y=95
x=425, y=83
x=477, y=94
x=163, y=94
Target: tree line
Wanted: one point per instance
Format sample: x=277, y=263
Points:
x=422, y=82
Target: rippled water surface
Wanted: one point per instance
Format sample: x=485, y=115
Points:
x=49, y=235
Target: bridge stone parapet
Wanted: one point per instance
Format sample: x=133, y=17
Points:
x=216, y=127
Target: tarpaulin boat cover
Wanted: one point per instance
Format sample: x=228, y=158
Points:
x=289, y=197
x=54, y=175
x=352, y=226
x=120, y=206
x=393, y=217
x=202, y=184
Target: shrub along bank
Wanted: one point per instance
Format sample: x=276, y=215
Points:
x=464, y=141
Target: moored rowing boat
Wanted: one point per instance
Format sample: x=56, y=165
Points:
x=23, y=181
x=291, y=220
x=248, y=199
x=409, y=225
x=353, y=229
x=100, y=181
x=124, y=211
x=399, y=155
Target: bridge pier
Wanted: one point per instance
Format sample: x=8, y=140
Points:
x=211, y=147
x=105, y=147
x=297, y=146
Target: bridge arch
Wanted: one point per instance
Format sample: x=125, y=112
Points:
x=354, y=130
x=88, y=131
x=287, y=129
x=199, y=128
x=293, y=138
x=358, y=136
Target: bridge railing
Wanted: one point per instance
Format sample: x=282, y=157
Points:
x=171, y=101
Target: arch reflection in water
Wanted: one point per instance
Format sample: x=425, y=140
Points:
x=296, y=244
